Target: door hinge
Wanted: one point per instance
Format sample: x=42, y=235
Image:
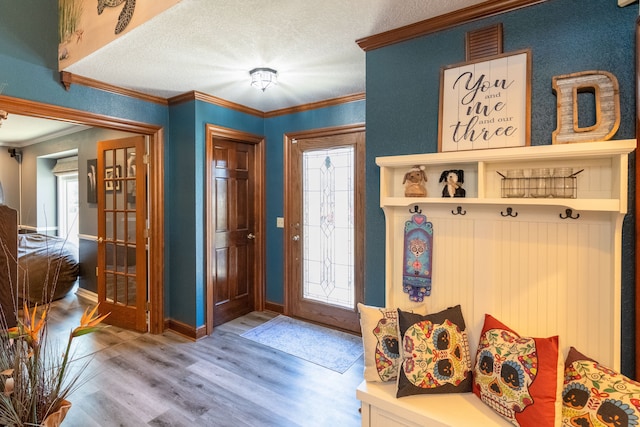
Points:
x=294, y=141
x=145, y=159
x=147, y=233
x=147, y=306
x=96, y=271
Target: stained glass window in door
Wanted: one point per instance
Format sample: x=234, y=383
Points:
x=328, y=226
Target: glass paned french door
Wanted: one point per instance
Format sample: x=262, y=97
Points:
x=122, y=245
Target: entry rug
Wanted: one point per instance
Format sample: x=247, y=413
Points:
x=326, y=347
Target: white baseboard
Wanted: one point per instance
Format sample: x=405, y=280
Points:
x=88, y=295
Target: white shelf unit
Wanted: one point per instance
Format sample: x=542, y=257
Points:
x=602, y=186
x=536, y=270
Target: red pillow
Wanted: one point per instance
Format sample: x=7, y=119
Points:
x=519, y=377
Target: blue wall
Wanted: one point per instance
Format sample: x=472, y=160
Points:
x=185, y=202
x=185, y=198
x=564, y=36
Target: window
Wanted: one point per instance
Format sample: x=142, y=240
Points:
x=68, y=206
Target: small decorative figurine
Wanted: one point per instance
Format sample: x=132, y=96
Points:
x=414, y=182
x=452, y=183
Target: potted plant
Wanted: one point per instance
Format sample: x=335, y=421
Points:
x=36, y=377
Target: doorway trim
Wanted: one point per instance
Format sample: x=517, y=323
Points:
x=156, y=183
x=212, y=131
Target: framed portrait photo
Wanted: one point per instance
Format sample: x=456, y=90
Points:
x=112, y=178
x=486, y=103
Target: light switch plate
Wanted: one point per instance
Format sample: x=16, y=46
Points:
x=280, y=222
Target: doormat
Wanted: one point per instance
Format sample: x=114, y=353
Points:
x=326, y=347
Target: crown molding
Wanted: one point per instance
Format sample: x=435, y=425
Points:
x=315, y=105
x=199, y=96
x=443, y=22
x=67, y=79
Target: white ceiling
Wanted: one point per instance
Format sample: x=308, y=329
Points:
x=19, y=131
x=209, y=46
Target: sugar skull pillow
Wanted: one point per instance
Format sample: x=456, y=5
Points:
x=435, y=353
x=518, y=377
x=596, y=396
x=379, y=328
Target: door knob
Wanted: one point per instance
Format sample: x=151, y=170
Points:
x=251, y=236
x=100, y=240
x=296, y=237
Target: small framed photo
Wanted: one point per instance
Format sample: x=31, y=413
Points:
x=486, y=103
x=92, y=177
x=111, y=180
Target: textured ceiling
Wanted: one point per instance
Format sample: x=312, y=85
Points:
x=210, y=45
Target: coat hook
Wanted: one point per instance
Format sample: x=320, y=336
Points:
x=569, y=214
x=509, y=213
x=459, y=211
x=415, y=210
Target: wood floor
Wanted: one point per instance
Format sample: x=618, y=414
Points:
x=222, y=380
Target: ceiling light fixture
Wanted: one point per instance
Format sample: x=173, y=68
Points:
x=262, y=78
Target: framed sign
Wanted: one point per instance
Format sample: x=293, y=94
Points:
x=486, y=103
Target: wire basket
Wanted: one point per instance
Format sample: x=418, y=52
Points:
x=562, y=186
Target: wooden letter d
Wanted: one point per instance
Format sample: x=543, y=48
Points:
x=604, y=86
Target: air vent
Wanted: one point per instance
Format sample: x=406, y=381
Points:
x=484, y=42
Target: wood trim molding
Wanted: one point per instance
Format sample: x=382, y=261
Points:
x=275, y=307
x=185, y=330
x=212, y=131
x=199, y=96
x=67, y=79
x=156, y=235
x=443, y=22
x=315, y=105
x=156, y=185
x=46, y=111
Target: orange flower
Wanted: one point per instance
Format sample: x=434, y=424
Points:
x=88, y=323
x=29, y=327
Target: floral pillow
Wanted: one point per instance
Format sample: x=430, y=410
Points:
x=379, y=328
x=435, y=353
x=519, y=377
x=596, y=396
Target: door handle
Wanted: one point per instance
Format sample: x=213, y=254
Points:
x=251, y=236
x=296, y=238
x=100, y=240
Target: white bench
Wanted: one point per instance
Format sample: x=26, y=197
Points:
x=381, y=408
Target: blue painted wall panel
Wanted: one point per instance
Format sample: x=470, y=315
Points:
x=180, y=221
x=185, y=201
x=565, y=36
